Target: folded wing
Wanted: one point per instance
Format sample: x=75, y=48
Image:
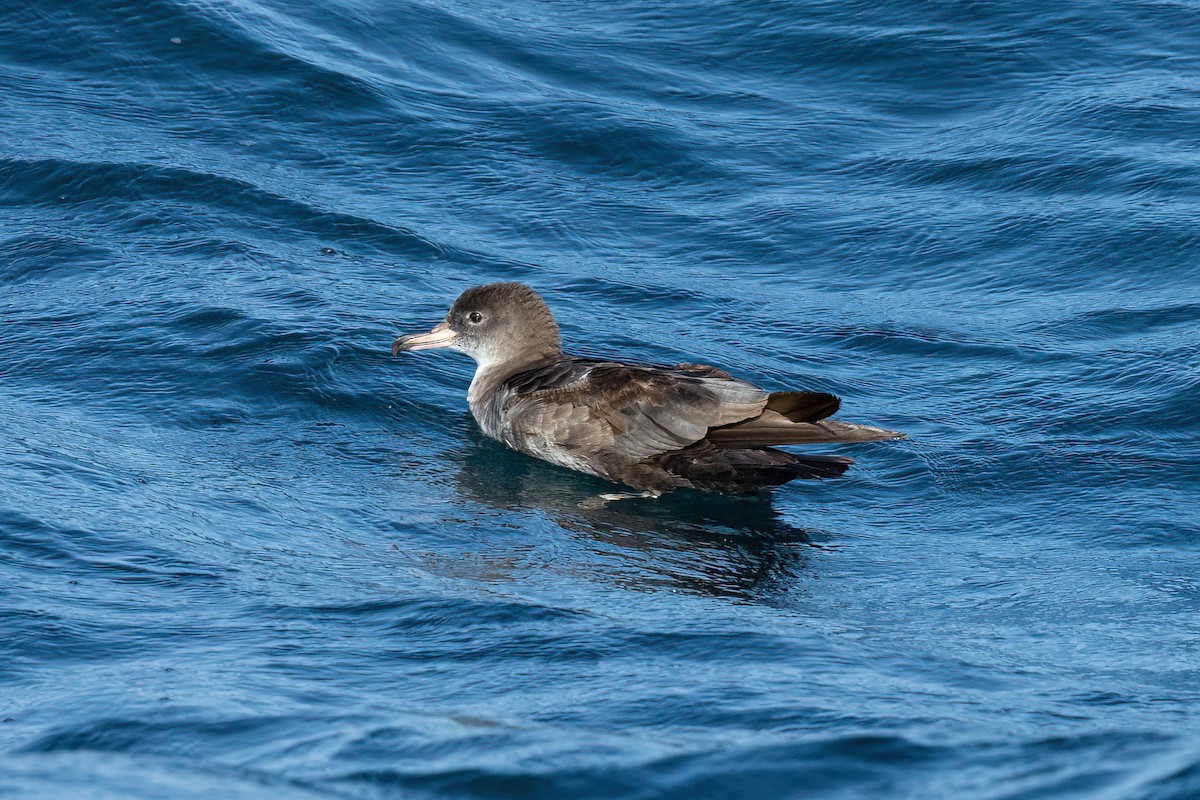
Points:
x=631, y=412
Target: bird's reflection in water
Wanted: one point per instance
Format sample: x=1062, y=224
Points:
x=720, y=546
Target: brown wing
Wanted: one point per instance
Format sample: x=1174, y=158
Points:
x=629, y=413
x=653, y=412
x=621, y=413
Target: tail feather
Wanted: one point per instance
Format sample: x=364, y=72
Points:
x=817, y=467
x=714, y=469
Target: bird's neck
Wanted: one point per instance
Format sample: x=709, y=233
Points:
x=483, y=396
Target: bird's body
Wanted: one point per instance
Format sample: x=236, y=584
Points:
x=648, y=427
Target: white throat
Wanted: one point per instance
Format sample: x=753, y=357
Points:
x=474, y=393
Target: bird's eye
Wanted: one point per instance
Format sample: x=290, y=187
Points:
x=475, y=318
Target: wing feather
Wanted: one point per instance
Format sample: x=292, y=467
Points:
x=602, y=416
x=627, y=412
x=772, y=428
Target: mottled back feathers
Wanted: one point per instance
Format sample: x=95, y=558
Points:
x=661, y=428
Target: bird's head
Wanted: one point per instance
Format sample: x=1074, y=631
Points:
x=493, y=324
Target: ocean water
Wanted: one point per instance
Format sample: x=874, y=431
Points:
x=244, y=553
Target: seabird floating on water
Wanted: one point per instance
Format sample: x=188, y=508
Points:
x=652, y=428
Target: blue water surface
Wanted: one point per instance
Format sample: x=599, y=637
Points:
x=244, y=553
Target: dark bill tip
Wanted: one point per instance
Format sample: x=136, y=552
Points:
x=441, y=336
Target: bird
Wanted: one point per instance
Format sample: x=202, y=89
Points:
x=653, y=429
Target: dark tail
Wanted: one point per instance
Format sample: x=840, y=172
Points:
x=719, y=469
